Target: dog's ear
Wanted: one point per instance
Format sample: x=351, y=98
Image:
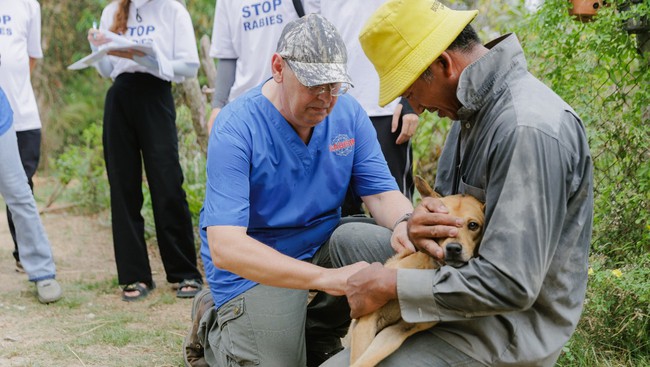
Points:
x=423, y=188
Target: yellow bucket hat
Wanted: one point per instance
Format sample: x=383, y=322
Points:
x=403, y=37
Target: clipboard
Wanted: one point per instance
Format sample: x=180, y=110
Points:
x=119, y=43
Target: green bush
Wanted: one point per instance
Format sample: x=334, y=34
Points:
x=81, y=169
x=69, y=101
x=616, y=317
x=192, y=161
x=597, y=68
x=427, y=144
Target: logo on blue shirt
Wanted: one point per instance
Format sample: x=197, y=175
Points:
x=342, y=145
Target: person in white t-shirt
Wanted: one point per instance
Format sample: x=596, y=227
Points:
x=395, y=123
x=244, y=36
x=140, y=127
x=20, y=47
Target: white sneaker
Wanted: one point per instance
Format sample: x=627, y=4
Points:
x=48, y=290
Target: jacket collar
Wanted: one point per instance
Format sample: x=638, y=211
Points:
x=486, y=77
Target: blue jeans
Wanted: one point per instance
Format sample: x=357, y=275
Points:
x=33, y=245
x=29, y=148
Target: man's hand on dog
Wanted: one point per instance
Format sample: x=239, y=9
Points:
x=431, y=220
x=370, y=288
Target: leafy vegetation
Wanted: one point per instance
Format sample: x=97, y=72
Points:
x=597, y=67
x=615, y=323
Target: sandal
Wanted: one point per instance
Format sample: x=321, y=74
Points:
x=194, y=285
x=140, y=287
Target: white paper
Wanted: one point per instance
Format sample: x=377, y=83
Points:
x=119, y=43
x=165, y=67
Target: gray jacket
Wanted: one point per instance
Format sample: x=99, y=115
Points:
x=523, y=151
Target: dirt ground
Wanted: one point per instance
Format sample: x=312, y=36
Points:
x=91, y=325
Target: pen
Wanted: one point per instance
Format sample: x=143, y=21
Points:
x=94, y=27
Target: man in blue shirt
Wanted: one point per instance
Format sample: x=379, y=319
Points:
x=280, y=160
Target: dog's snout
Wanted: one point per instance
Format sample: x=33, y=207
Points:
x=454, y=255
x=454, y=249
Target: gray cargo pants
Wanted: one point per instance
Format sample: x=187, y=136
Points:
x=275, y=327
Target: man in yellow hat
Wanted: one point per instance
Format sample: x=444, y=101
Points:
x=516, y=146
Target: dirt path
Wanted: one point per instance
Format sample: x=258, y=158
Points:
x=91, y=325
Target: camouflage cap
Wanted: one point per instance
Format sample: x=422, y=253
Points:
x=314, y=50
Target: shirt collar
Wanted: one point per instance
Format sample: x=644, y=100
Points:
x=139, y=3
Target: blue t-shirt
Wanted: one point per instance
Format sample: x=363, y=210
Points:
x=6, y=113
x=262, y=176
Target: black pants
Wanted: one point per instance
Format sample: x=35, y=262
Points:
x=29, y=147
x=398, y=157
x=140, y=126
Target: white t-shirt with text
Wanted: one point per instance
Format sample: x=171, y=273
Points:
x=20, y=40
x=163, y=22
x=248, y=30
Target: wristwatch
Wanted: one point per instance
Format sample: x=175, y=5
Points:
x=403, y=218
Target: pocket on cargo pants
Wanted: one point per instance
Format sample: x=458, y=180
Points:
x=235, y=339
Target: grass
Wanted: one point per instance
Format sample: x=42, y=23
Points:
x=90, y=325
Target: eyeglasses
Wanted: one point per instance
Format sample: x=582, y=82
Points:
x=334, y=89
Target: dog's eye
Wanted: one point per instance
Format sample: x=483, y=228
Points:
x=473, y=226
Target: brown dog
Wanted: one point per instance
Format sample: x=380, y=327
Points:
x=377, y=335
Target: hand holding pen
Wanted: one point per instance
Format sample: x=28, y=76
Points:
x=96, y=37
